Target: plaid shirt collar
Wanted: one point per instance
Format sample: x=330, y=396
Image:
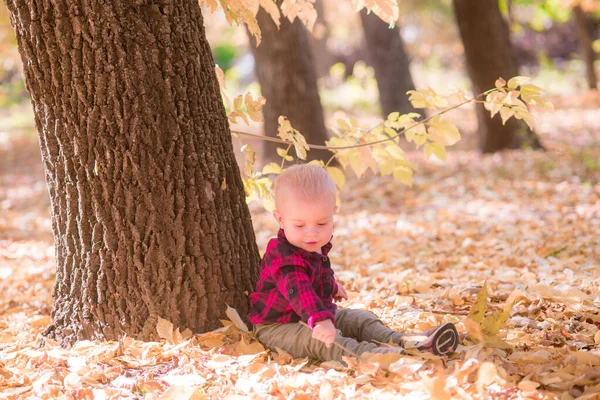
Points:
x=305, y=253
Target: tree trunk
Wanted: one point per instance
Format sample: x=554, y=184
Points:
x=319, y=37
x=586, y=45
x=148, y=207
x=288, y=80
x=489, y=56
x=385, y=52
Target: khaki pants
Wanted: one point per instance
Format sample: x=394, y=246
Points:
x=357, y=330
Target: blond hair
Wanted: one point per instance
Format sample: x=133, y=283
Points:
x=307, y=181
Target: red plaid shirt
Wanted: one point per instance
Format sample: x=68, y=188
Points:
x=294, y=285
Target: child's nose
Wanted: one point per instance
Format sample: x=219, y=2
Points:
x=313, y=230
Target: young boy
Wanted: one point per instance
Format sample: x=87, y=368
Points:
x=297, y=283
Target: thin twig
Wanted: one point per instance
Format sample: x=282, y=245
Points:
x=445, y=312
x=323, y=147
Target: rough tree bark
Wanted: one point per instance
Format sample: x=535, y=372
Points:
x=387, y=56
x=489, y=55
x=148, y=207
x=288, y=81
x=586, y=45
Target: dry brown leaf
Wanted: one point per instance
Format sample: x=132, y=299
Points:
x=248, y=348
x=528, y=386
x=383, y=360
x=234, y=317
x=488, y=374
x=436, y=387
x=181, y=393
x=164, y=329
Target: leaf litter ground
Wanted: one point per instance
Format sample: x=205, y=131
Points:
x=521, y=223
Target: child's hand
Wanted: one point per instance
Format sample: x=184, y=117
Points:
x=325, y=332
x=341, y=294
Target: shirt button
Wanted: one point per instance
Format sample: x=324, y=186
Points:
x=324, y=258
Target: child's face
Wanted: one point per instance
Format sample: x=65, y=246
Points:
x=307, y=224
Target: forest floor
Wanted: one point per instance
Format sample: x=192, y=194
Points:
x=520, y=220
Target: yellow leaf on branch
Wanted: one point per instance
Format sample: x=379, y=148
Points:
x=250, y=159
x=337, y=175
x=387, y=10
x=288, y=133
x=254, y=107
x=283, y=153
x=517, y=81
x=271, y=8
x=404, y=175
x=443, y=131
x=271, y=168
x=435, y=149
x=427, y=98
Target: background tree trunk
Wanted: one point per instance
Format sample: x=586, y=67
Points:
x=489, y=56
x=586, y=44
x=319, y=37
x=288, y=81
x=386, y=53
x=148, y=208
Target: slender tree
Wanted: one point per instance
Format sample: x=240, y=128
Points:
x=288, y=80
x=387, y=56
x=583, y=25
x=489, y=55
x=148, y=207
x=320, y=35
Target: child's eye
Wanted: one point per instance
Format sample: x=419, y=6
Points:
x=322, y=223
x=299, y=226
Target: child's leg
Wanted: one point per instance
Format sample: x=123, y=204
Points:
x=365, y=326
x=296, y=339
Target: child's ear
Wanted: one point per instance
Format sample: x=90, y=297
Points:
x=278, y=217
